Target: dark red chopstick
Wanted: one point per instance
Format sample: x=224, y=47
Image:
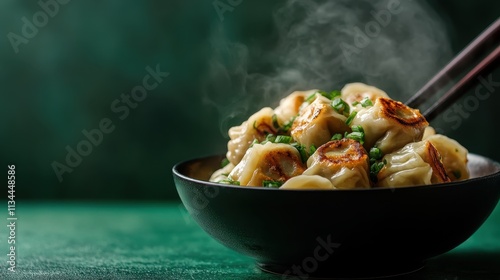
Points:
x=486, y=66
x=480, y=46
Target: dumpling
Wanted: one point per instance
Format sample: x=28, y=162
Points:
x=308, y=182
x=355, y=92
x=241, y=137
x=290, y=106
x=317, y=123
x=268, y=162
x=221, y=174
x=428, y=132
x=389, y=125
x=343, y=162
x=454, y=156
x=417, y=163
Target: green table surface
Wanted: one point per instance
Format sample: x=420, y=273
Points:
x=161, y=241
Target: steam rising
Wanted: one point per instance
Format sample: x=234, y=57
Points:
x=394, y=45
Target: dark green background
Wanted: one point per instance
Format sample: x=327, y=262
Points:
x=65, y=78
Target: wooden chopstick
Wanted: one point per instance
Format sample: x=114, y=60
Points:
x=487, y=65
x=487, y=39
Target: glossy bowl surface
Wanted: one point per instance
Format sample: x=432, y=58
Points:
x=339, y=233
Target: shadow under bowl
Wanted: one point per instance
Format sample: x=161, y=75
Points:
x=341, y=233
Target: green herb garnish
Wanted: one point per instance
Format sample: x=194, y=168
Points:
x=366, y=102
x=283, y=139
x=351, y=117
x=375, y=169
x=375, y=153
x=302, y=151
x=341, y=107
x=271, y=184
x=224, y=162
x=336, y=136
x=230, y=181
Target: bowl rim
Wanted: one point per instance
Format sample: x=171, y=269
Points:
x=177, y=173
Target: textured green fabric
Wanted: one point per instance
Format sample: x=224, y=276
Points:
x=161, y=241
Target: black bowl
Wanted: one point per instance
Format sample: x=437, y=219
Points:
x=339, y=233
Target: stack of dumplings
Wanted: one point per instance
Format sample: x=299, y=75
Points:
x=355, y=138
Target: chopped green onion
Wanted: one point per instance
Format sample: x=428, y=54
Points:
x=230, y=181
x=270, y=138
x=302, y=151
x=255, y=141
x=310, y=98
x=312, y=149
x=336, y=136
x=275, y=121
x=375, y=169
x=271, y=184
x=283, y=139
x=335, y=93
x=351, y=117
x=457, y=174
x=357, y=136
x=285, y=128
x=340, y=106
x=357, y=128
x=355, y=103
x=224, y=162
x=375, y=153
x=366, y=102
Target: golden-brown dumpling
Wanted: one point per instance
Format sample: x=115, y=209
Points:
x=308, y=182
x=454, y=156
x=290, y=106
x=241, y=137
x=416, y=163
x=355, y=92
x=389, y=125
x=343, y=162
x=268, y=162
x=317, y=123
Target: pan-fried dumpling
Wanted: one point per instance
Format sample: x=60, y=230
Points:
x=317, y=123
x=256, y=127
x=308, y=182
x=417, y=163
x=268, y=162
x=290, y=106
x=221, y=174
x=343, y=162
x=428, y=132
x=356, y=92
x=389, y=125
x=454, y=156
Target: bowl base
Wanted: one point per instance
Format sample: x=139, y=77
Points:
x=341, y=272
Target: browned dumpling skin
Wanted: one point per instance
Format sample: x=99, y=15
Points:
x=416, y=163
x=317, y=123
x=356, y=92
x=241, y=137
x=389, y=125
x=343, y=162
x=290, y=106
x=454, y=156
x=268, y=162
